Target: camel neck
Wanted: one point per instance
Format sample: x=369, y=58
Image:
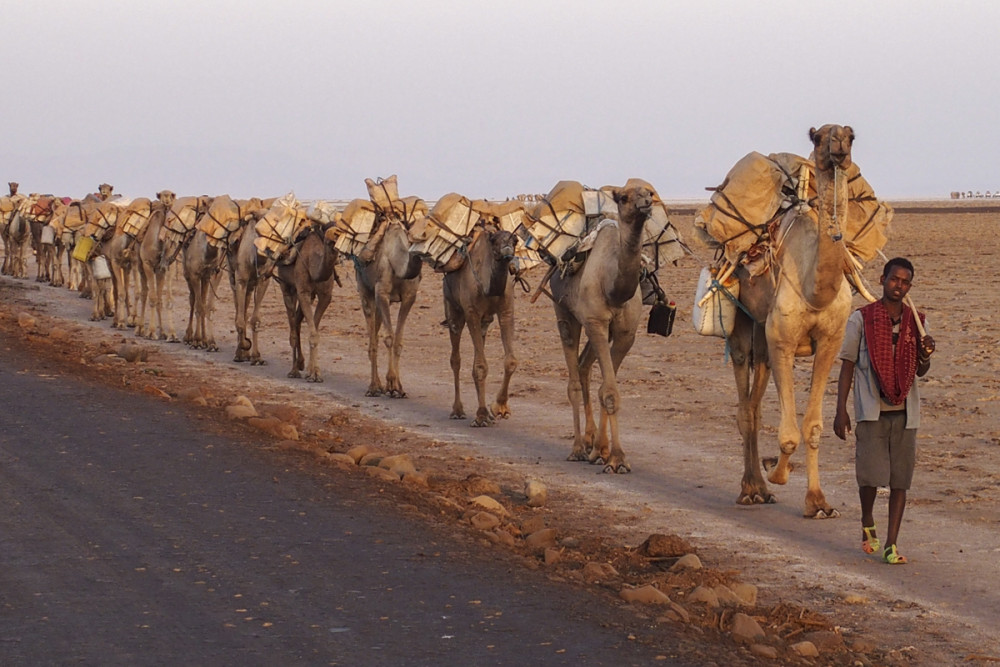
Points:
x=828, y=273
x=629, y=259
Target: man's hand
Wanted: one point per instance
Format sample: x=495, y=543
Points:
x=842, y=424
x=927, y=348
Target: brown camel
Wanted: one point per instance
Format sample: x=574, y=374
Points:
x=392, y=276
x=307, y=287
x=481, y=289
x=602, y=298
x=102, y=224
x=799, y=310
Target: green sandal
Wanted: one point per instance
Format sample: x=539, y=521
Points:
x=893, y=557
x=870, y=544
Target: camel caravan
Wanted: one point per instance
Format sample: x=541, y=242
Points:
x=790, y=235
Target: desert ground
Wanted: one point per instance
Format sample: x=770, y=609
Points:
x=679, y=433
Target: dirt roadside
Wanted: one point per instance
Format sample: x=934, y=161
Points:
x=680, y=436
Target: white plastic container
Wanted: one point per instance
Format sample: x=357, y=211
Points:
x=100, y=268
x=716, y=315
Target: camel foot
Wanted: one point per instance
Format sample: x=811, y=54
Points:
x=457, y=414
x=314, y=378
x=294, y=374
x=211, y=347
x=396, y=393
x=757, y=498
x=479, y=422
x=374, y=392
x=619, y=468
x=258, y=362
x=822, y=513
x=501, y=411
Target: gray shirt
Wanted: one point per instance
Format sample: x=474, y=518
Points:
x=867, y=398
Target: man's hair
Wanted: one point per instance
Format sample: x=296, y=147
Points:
x=900, y=262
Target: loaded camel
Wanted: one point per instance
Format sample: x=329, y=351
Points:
x=602, y=299
x=475, y=293
x=800, y=310
x=387, y=272
x=307, y=288
x=249, y=272
x=153, y=275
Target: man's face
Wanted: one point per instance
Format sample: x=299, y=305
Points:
x=896, y=284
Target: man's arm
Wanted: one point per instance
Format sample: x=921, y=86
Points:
x=842, y=421
x=927, y=348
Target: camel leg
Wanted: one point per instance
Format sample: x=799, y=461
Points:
x=192, y=337
x=610, y=355
x=752, y=373
x=211, y=289
x=258, y=297
x=293, y=311
x=782, y=360
x=480, y=369
x=595, y=441
x=816, y=505
x=394, y=384
x=314, y=316
x=140, y=305
x=241, y=294
x=374, y=322
x=501, y=406
x=569, y=336
x=456, y=323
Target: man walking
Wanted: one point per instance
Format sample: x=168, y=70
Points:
x=882, y=355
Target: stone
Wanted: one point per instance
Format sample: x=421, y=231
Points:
x=489, y=504
x=726, y=596
x=704, y=594
x=484, y=521
x=850, y=597
x=552, y=555
x=747, y=593
x=275, y=427
x=679, y=613
x=746, y=629
x=546, y=537
x=358, y=452
x=596, y=572
x=647, y=594
x=243, y=400
x=190, y=393
x=764, y=651
x=415, y=478
x=398, y=463
x=537, y=493
x=155, y=391
x=805, y=649
x=480, y=486
x=664, y=546
x=532, y=524
x=132, y=353
x=863, y=645
x=340, y=459
x=505, y=537
x=284, y=412
x=371, y=459
x=240, y=411
x=686, y=562
x=59, y=334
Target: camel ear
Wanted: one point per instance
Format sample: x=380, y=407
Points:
x=850, y=131
x=812, y=135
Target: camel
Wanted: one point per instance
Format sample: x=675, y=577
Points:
x=481, y=289
x=307, y=288
x=602, y=298
x=249, y=272
x=391, y=276
x=154, y=274
x=799, y=310
x=204, y=255
x=16, y=238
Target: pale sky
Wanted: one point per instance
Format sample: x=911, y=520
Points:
x=489, y=99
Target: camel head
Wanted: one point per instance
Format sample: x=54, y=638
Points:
x=635, y=203
x=105, y=191
x=502, y=242
x=166, y=197
x=832, y=144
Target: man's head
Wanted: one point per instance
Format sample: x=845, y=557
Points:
x=13, y=187
x=896, y=280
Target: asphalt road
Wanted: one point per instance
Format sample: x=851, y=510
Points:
x=130, y=535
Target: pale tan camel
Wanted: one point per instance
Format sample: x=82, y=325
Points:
x=307, y=288
x=798, y=310
x=481, y=289
x=102, y=222
x=154, y=277
x=602, y=298
x=392, y=276
x=249, y=276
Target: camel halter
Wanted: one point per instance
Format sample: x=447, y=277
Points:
x=839, y=233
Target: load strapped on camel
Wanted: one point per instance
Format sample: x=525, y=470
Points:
x=363, y=222
x=759, y=195
x=443, y=236
x=279, y=226
x=563, y=224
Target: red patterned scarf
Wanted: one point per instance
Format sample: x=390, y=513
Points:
x=895, y=375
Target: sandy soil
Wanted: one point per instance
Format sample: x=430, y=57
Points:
x=679, y=433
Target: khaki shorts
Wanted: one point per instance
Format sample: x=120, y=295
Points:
x=886, y=451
